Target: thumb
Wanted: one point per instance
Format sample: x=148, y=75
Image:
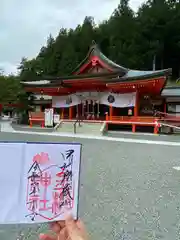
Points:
x=72, y=228
x=82, y=229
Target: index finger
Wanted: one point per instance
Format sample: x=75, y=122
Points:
x=57, y=226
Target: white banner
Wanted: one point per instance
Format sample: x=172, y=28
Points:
x=65, y=101
x=41, y=183
x=118, y=100
x=48, y=117
x=106, y=98
x=89, y=95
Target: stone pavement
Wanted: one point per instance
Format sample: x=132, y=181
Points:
x=84, y=128
x=128, y=190
x=5, y=126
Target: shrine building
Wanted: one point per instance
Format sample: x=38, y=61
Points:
x=98, y=89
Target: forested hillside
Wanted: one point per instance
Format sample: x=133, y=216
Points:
x=131, y=39
x=128, y=38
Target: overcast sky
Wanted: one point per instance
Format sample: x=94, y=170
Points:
x=26, y=24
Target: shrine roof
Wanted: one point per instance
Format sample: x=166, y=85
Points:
x=171, y=92
x=131, y=75
x=60, y=80
x=139, y=75
x=40, y=82
x=117, y=73
x=94, y=51
x=113, y=76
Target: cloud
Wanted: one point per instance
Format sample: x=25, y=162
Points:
x=135, y=4
x=25, y=25
x=8, y=68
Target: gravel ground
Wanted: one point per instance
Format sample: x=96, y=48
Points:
x=128, y=190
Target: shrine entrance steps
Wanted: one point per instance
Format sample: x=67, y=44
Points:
x=82, y=128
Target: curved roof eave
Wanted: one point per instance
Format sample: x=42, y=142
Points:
x=60, y=80
x=40, y=82
x=95, y=51
x=112, y=64
x=134, y=75
x=138, y=73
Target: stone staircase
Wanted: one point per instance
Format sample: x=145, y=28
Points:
x=84, y=128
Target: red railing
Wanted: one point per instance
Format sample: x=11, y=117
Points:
x=140, y=120
x=37, y=117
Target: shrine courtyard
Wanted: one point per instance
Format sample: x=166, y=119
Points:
x=128, y=190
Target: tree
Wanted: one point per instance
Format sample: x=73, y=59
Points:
x=29, y=70
x=130, y=39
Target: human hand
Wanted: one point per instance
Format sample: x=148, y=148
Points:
x=66, y=230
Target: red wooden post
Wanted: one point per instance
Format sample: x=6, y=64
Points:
x=70, y=112
x=135, y=111
x=156, y=126
x=42, y=124
x=30, y=120
x=62, y=113
x=110, y=112
x=133, y=128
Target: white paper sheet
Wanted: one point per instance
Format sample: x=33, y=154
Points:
x=39, y=182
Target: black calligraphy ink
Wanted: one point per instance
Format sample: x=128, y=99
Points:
x=66, y=182
x=34, y=176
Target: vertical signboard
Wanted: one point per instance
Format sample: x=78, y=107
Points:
x=49, y=117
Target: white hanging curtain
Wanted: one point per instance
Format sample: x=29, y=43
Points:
x=65, y=101
x=118, y=100
x=106, y=98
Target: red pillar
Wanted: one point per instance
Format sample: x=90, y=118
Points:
x=110, y=112
x=136, y=107
x=156, y=126
x=62, y=113
x=70, y=112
